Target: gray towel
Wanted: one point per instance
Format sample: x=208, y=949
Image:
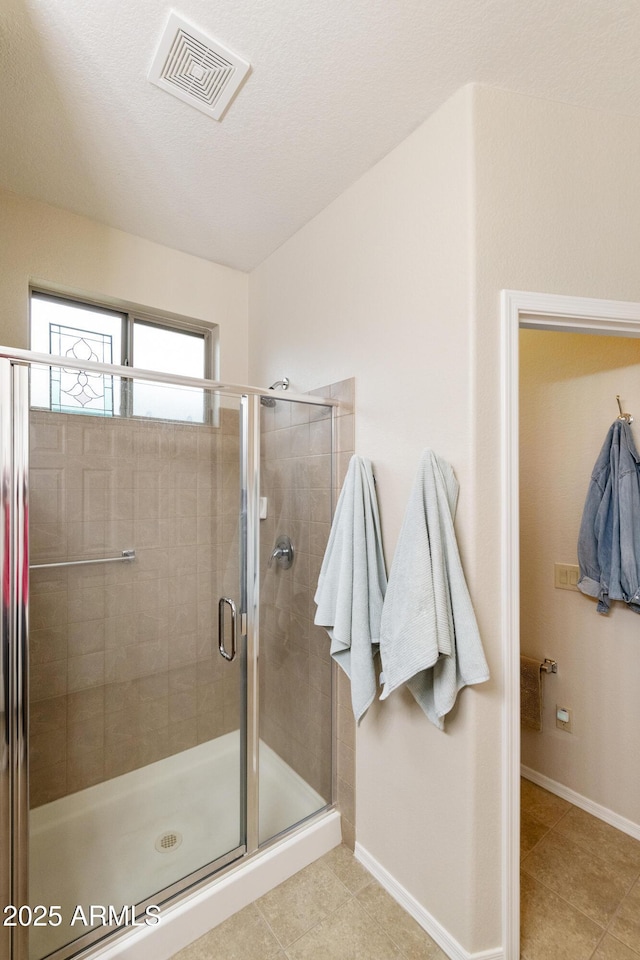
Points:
x=530, y=693
x=429, y=636
x=352, y=583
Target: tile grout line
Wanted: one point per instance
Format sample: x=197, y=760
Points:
x=317, y=924
x=543, y=837
x=563, y=815
x=268, y=926
x=606, y=929
x=597, y=946
x=617, y=940
x=588, y=848
x=627, y=891
x=314, y=925
x=615, y=914
x=386, y=932
x=564, y=900
x=592, y=855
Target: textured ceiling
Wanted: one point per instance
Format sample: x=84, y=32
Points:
x=335, y=85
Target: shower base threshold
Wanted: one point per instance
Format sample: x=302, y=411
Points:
x=118, y=842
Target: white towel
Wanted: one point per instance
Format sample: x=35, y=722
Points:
x=429, y=636
x=352, y=583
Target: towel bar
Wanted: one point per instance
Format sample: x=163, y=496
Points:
x=549, y=666
x=125, y=555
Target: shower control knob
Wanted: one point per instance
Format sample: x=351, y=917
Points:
x=282, y=553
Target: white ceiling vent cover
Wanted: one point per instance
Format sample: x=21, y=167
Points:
x=196, y=69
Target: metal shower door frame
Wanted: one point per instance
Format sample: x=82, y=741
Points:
x=14, y=663
x=250, y=606
x=6, y=646
x=6, y=657
x=14, y=659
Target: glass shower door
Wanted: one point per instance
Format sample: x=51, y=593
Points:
x=137, y=664
x=296, y=715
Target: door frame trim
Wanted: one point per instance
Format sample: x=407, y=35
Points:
x=538, y=311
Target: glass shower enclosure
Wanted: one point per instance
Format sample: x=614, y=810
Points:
x=166, y=702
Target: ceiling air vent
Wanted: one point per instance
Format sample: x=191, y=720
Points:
x=196, y=69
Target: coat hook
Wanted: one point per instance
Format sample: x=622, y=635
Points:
x=623, y=416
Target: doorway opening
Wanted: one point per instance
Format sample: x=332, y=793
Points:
x=574, y=316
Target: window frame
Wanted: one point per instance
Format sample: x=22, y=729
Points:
x=132, y=313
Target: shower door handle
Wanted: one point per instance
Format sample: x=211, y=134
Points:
x=234, y=618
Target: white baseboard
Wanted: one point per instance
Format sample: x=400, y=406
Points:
x=596, y=809
x=409, y=903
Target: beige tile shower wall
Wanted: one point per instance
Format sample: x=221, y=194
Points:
x=295, y=672
x=296, y=669
x=228, y=566
x=124, y=662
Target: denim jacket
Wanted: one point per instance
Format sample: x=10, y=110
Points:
x=609, y=540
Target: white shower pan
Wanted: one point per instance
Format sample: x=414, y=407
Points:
x=113, y=843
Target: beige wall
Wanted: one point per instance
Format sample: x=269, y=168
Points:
x=557, y=211
x=42, y=243
x=379, y=286
x=398, y=283
x=568, y=386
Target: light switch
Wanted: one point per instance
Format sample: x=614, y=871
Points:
x=566, y=576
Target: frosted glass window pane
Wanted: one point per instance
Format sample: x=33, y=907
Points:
x=170, y=351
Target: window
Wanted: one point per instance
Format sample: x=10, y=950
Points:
x=82, y=330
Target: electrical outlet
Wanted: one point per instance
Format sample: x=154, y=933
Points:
x=566, y=576
x=564, y=719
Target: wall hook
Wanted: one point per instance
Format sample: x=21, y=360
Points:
x=623, y=416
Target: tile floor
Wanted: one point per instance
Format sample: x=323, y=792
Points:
x=580, y=883
x=331, y=910
x=580, y=897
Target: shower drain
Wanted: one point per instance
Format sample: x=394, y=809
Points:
x=168, y=841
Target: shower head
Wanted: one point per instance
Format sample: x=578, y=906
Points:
x=269, y=401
